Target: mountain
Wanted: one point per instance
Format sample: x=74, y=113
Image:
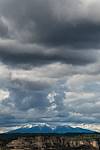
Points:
x=45, y=128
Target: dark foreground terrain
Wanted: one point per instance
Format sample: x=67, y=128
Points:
x=49, y=142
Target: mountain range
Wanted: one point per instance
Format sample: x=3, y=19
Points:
x=45, y=128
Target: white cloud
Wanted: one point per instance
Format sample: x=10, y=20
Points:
x=75, y=96
x=51, y=97
x=4, y=94
x=77, y=82
x=94, y=127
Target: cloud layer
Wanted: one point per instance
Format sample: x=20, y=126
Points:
x=49, y=61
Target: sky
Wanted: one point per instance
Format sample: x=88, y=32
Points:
x=49, y=62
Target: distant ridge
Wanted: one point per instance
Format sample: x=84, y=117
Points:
x=45, y=128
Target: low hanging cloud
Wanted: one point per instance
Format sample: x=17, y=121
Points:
x=13, y=52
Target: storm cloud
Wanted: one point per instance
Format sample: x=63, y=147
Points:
x=42, y=32
x=49, y=61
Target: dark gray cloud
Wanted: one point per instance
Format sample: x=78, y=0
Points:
x=50, y=26
x=48, y=23
x=3, y=29
x=31, y=85
x=63, y=55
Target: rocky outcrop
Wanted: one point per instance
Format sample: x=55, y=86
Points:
x=52, y=143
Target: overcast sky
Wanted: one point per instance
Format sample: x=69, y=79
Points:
x=49, y=62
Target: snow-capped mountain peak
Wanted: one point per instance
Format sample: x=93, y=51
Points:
x=27, y=126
